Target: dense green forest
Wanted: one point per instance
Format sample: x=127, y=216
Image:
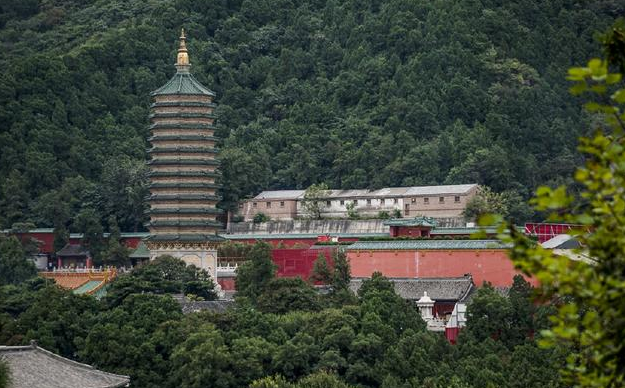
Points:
x=355, y=94
x=279, y=332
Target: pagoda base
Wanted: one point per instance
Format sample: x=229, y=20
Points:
x=201, y=255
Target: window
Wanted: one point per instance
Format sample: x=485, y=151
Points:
x=328, y=203
x=441, y=199
x=342, y=202
x=414, y=200
x=382, y=201
x=407, y=209
x=268, y=205
x=457, y=199
x=368, y=202
x=240, y=205
x=426, y=200
x=281, y=203
x=355, y=202
x=254, y=204
x=394, y=200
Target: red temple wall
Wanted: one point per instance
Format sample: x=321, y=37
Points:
x=227, y=283
x=47, y=240
x=298, y=262
x=492, y=266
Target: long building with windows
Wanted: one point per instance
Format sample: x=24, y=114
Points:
x=183, y=169
x=448, y=201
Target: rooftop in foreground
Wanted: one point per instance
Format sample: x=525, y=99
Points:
x=32, y=366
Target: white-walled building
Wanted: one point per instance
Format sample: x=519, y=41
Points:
x=448, y=201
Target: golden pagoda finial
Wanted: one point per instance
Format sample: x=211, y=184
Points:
x=183, y=55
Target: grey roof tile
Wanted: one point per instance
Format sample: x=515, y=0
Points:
x=439, y=289
x=365, y=193
x=280, y=194
x=214, y=306
x=73, y=250
x=426, y=244
x=32, y=366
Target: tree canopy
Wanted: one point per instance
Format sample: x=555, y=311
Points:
x=163, y=275
x=351, y=94
x=591, y=316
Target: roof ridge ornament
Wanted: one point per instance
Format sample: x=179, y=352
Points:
x=182, y=60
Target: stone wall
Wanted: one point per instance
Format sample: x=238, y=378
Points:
x=324, y=226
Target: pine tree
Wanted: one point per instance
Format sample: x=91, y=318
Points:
x=342, y=273
x=321, y=271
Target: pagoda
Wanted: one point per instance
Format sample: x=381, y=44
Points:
x=183, y=170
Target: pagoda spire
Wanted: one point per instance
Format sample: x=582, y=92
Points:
x=182, y=62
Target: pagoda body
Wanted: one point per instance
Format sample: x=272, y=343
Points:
x=183, y=170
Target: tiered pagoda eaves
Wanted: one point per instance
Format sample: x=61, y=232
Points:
x=183, y=169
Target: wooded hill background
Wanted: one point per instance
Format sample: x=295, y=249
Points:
x=355, y=93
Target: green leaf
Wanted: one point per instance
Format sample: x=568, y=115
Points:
x=578, y=88
x=613, y=78
x=592, y=106
x=599, y=89
x=619, y=96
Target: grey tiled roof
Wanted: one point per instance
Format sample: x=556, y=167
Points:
x=435, y=190
x=439, y=289
x=426, y=244
x=32, y=366
x=380, y=193
x=214, y=306
x=73, y=250
x=280, y=194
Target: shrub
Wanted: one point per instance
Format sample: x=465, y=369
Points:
x=259, y=218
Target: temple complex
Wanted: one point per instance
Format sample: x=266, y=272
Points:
x=183, y=170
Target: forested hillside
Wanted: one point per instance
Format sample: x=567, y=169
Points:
x=352, y=93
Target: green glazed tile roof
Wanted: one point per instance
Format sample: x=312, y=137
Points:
x=174, y=162
x=183, y=114
x=464, y=231
x=417, y=221
x=87, y=287
x=184, y=186
x=426, y=244
x=468, y=231
x=183, y=150
x=188, y=210
x=178, y=197
x=265, y=236
x=194, y=126
x=141, y=251
x=183, y=173
x=186, y=237
x=135, y=234
x=183, y=83
x=185, y=223
x=182, y=137
x=183, y=103
x=36, y=230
